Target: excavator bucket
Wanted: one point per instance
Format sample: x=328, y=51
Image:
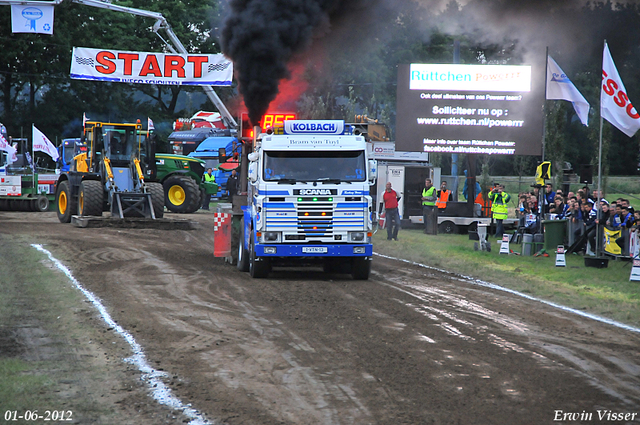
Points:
x=131, y=204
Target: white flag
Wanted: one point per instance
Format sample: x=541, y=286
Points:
x=560, y=87
x=42, y=144
x=150, y=124
x=10, y=150
x=615, y=105
x=35, y=19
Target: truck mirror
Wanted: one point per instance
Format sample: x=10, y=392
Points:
x=253, y=156
x=222, y=154
x=373, y=170
x=253, y=172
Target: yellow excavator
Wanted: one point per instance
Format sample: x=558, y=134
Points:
x=116, y=174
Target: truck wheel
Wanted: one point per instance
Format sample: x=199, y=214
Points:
x=65, y=202
x=181, y=194
x=157, y=198
x=257, y=269
x=90, y=198
x=40, y=204
x=448, y=227
x=360, y=268
x=243, y=255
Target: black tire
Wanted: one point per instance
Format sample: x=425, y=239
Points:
x=243, y=254
x=40, y=204
x=448, y=227
x=90, y=198
x=66, y=205
x=360, y=268
x=181, y=194
x=157, y=198
x=4, y=205
x=257, y=269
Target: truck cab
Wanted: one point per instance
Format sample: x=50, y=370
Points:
x=309, y=200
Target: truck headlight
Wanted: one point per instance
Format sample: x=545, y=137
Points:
x=271, y=236
x=356, y=236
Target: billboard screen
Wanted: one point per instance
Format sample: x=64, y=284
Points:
x=485, y=109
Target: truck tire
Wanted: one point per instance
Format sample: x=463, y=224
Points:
x=157, y=198
x=181, y=194
x=40, y=204
x=360, y=268
x=257, y=269
x=90, y=198
x=447, y=227
x=65, y=203
x=243, y=254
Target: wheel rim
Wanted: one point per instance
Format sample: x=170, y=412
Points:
x=62, y=202
x=176, y=195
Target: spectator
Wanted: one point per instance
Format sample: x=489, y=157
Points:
x=499, y=209
x=390, y=199
x=616, y=218
x=429, y=196
x=531, y=219
x=549, y=197
x=558, y=207
x=207, y=177
x=444, y=196
x=588, y=227
x=605, y=215
x=232, y=185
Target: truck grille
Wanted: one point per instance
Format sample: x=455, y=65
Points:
x=314, y=217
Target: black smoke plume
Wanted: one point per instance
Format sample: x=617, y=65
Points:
x=261, y=37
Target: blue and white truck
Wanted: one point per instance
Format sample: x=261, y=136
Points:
x=309, y=200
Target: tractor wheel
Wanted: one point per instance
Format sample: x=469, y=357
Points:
x=243, y=255
x=181, y=194
x=65, y=202
x=360, y=268
x=157, y=198
x=257, y=269
x=196, y=205
x=40, y=204
x=90, y=198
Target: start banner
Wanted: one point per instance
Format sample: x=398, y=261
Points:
x=150, y=68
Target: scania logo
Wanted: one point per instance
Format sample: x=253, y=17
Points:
x=315, y=192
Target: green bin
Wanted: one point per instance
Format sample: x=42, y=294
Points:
x=554, y=234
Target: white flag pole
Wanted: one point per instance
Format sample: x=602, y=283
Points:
x=599, y=206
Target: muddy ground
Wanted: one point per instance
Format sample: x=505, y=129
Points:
x=408, y=346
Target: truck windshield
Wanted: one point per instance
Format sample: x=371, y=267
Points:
x=343, y=166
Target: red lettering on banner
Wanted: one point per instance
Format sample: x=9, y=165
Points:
x=150, y=66
x=128, y=60
x=610, y=87
x=174, y=63
x=107, y=67
x=197, y=64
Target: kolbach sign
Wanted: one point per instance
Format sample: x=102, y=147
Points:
x=150, y=68
x=484, y=109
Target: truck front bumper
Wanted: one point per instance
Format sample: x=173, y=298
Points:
x=314, y=250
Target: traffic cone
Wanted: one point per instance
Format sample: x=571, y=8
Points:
x=635, y=270
x=560, y=260
x=504, y=247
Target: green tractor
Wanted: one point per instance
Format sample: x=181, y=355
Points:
x=181, y=177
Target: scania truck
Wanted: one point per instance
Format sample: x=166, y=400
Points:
x=309, y=200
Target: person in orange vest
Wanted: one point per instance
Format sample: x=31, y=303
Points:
x=444, y=196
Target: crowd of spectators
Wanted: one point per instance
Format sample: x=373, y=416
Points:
x=581, y=211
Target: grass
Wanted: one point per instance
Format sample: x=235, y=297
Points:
x=606, y=292
x=41, y=302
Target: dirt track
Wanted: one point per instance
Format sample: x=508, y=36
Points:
x=409, y=346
